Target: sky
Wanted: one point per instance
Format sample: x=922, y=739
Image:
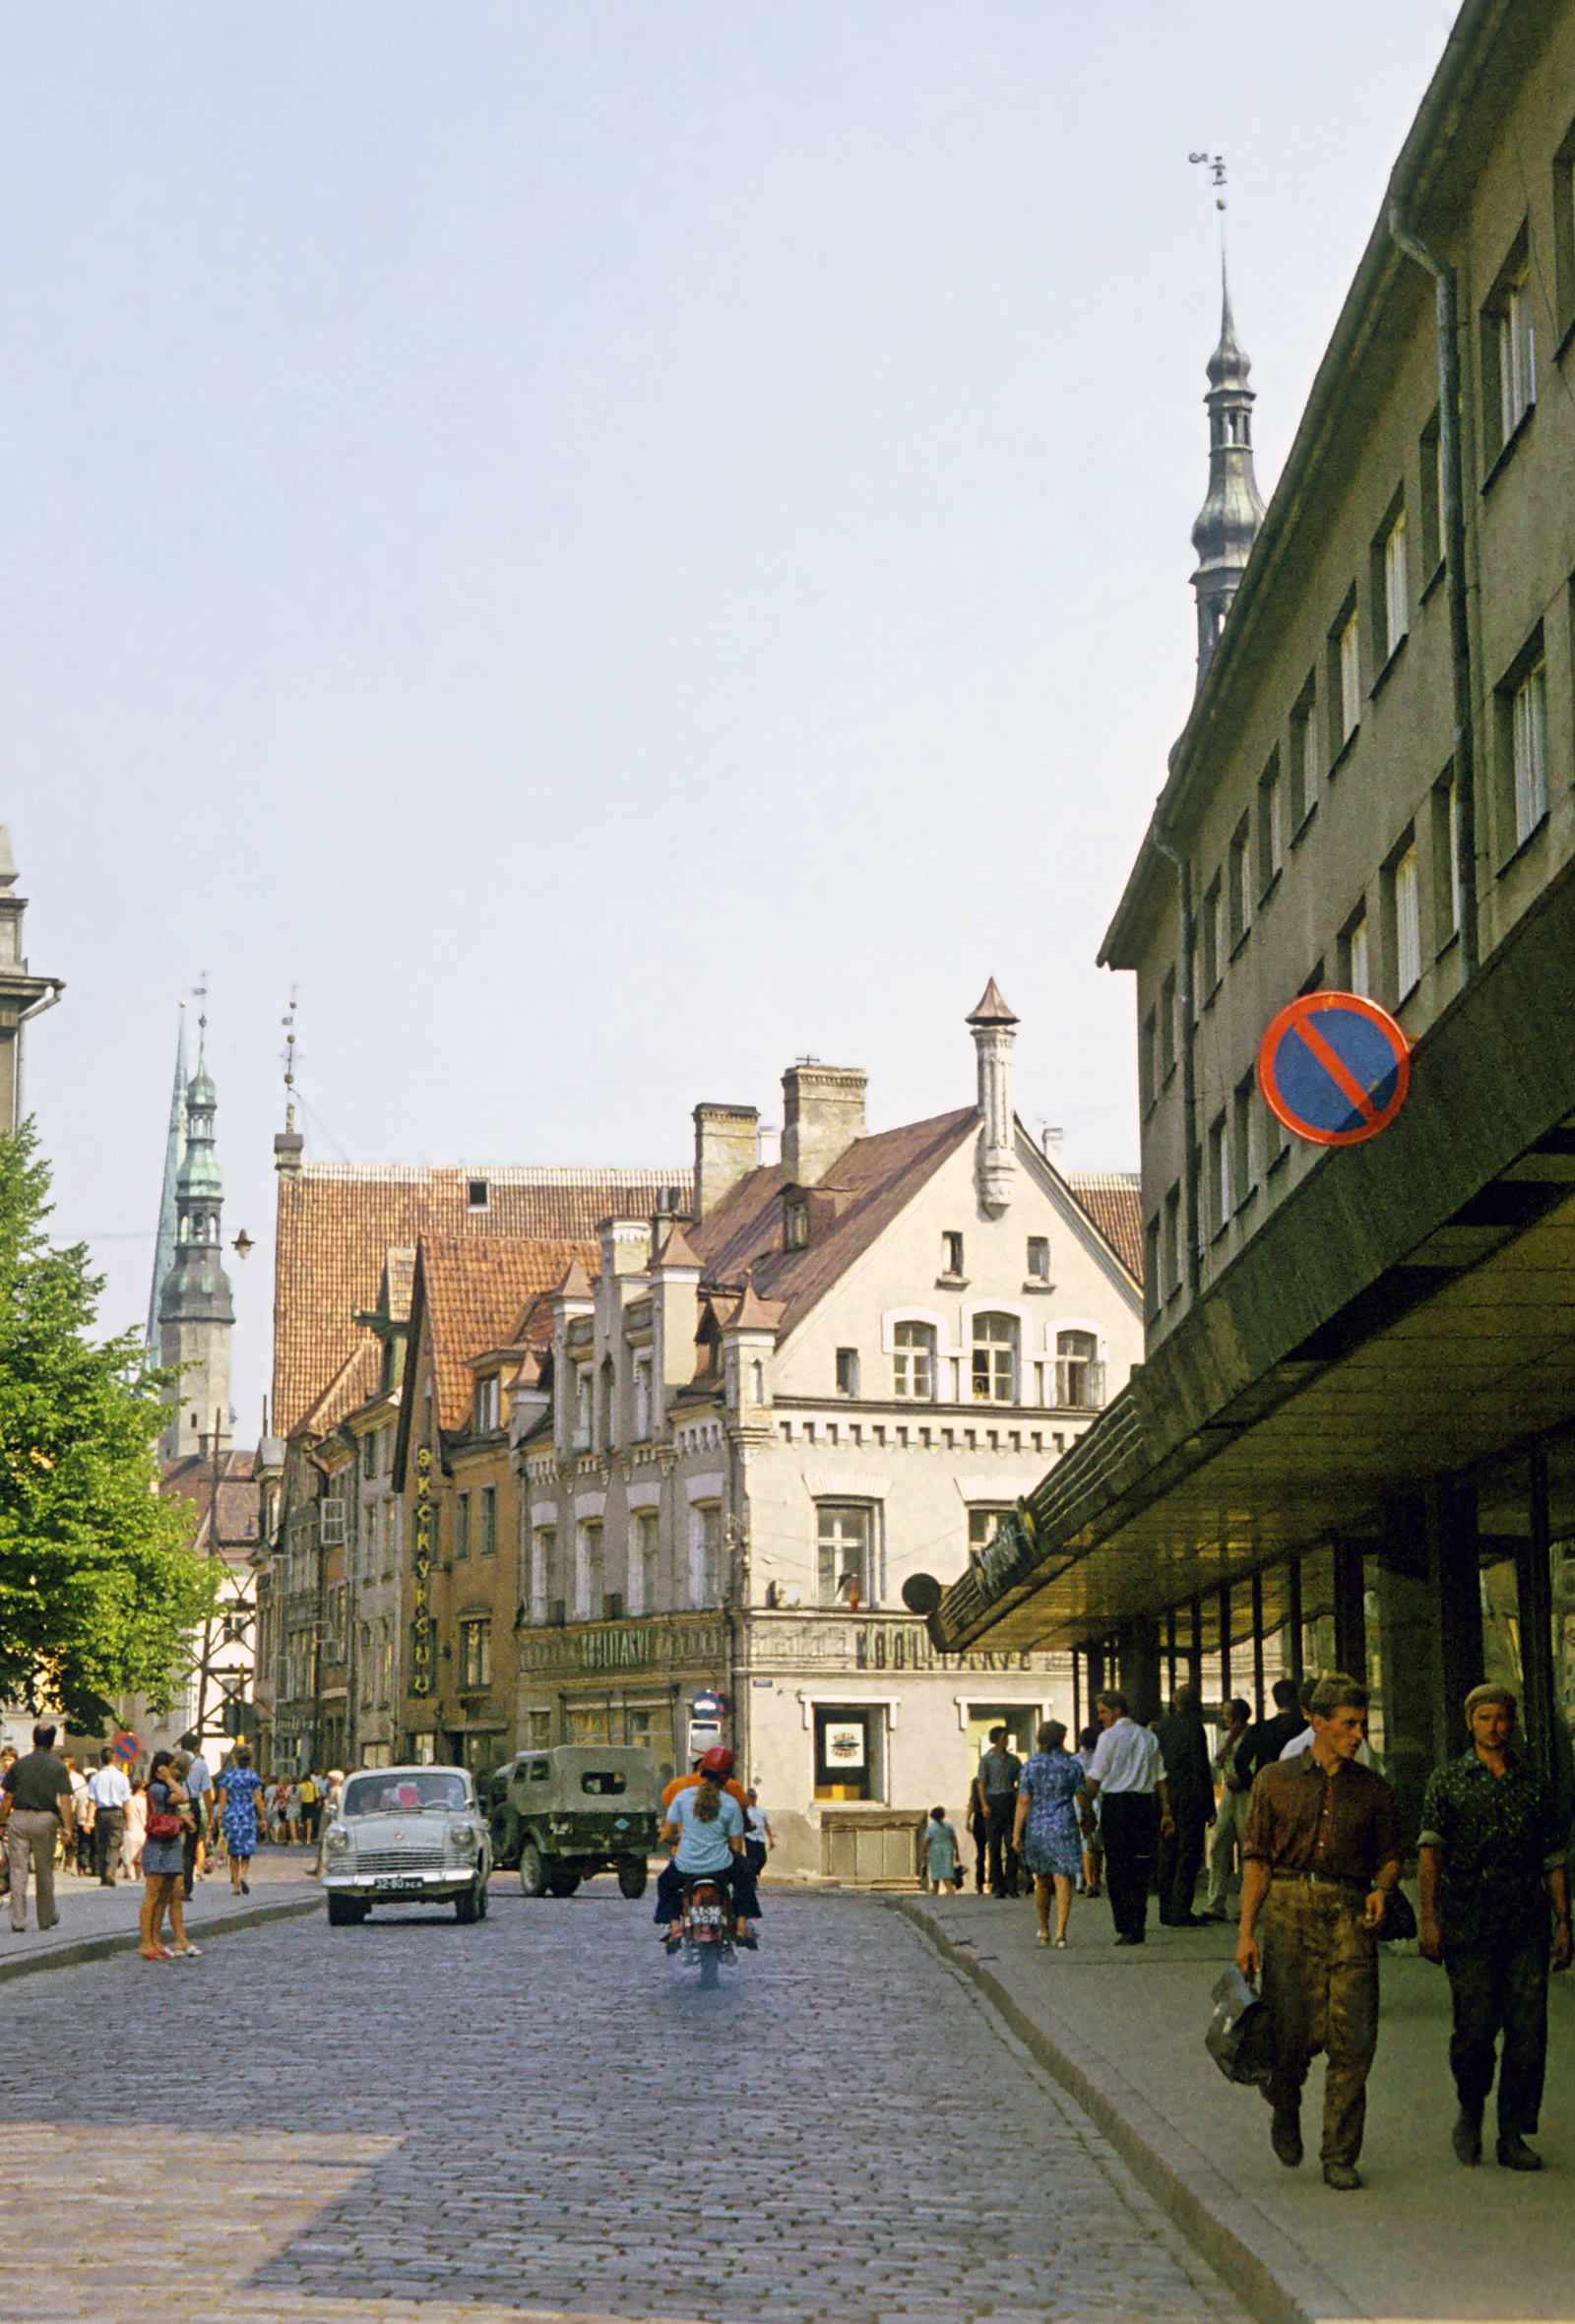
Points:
x=609, y=547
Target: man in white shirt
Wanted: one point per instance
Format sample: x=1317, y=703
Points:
x=109, y=1790
x=1366, y=1756
x=1127, y=1777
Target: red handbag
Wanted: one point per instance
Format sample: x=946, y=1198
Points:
x=162, y=1827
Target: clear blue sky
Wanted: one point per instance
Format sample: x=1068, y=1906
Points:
x=616, y=545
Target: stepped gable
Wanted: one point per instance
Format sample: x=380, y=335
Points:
x=470, y=1291
x=338, y=1222
x=1113, y=1200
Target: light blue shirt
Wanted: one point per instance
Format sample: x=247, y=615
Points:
x=703, y=1847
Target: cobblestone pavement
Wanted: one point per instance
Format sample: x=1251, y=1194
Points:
x=540, y=2116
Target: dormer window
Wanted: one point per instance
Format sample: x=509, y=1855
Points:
x=478, y=1195
x=486, y=1403
x=795, y=1225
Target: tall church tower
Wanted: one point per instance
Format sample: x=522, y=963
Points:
x=1229, y=521
x=175, y=1151
x=196, y=1314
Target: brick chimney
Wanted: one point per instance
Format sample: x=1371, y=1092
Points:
x=727, y=1141
x=823, y=1112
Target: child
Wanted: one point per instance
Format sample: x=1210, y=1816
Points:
x=937, y=1853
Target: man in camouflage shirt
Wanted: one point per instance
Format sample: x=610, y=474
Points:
x=1492, y=1861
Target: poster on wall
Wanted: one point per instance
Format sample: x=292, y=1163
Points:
x=843, y=1745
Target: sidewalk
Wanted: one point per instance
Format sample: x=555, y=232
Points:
x=95, y=1922
x=1122, y=2032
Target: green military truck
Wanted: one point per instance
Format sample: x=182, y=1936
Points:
x=563, y=1816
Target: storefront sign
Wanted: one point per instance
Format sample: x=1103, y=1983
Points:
x=907, y=1646
x=421, y=1626
x=843, y=1745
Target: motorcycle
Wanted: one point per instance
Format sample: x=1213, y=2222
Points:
x=704, y=1930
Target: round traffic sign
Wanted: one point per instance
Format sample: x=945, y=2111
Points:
x=126, y=1749
x=1335, y=1068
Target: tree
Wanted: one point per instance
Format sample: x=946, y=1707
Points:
x=99, y=1587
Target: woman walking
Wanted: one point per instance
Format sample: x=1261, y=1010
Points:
x=161, y=1861
x=239, y=1788
x=1046, y=1831
x=136, y=1826
x=937, y=1855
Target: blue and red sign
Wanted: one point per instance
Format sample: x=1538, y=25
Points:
x=1334, y=1068
x=710, y=1705
x=126, y=1751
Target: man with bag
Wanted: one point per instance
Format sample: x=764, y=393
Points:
x=1321, y=1858
x=1492, y=1863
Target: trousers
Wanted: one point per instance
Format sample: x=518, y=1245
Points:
x=1002, y=1807
x=1129, y=1825
x=1501, y=1989
x=1180, y=1860
x=1320, y=1985
x=108, y=1830
x=1225, y=1848
x=31, y=1836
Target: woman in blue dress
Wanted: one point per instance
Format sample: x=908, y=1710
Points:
x=238, y=1787
x=1047, y=1834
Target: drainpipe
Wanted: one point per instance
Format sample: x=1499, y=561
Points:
x=1192, y=1156
x=1451, y=460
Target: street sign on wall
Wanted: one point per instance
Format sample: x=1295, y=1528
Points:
x=1334, y=1068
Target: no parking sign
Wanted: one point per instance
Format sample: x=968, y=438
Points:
x=1335, y=1068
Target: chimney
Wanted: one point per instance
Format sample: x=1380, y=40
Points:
x=995, y=1029
x=823, y=1112
x=726, y=1141
x=1053, y=1141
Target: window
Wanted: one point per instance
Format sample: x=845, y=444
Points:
x=1270, y=825
x=1153, y=1294
x=1239, y=898
x=1355, y=971
x=489, y=1514
x=1214, y=939
x=994, y=1371
x=476, y=1654
x=848, y=1371
x=1168, y=1025
x=1406, y=906
x=369, y=1456
x=795, y=1225
x=1517, y=358
x=913, y=1361
x=1039, y=1258
x=1564, y=233
x=1079, y=1373
x=643, y=1564
x=1175, y=1258
x=1434, y=522
x=476, y=1194
x=1219, y=1190
x=1305, y=755
x=462, y=1527
x=843, y=1550
x=704, y=1552
x=951, y=1254
x=1345, y=667
x=486, y=1405
x=582, y=1408
x=1395, y=576
x=371, y=1525
x=543, y=1560
x=1244, y=1130
x=984, y=1523
x=1446, y=858
x=588, y=1579
x=1527, y=710
x=1149, y=1060
x=642, y=1398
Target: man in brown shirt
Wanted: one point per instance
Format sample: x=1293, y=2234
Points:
x=1322, y=1854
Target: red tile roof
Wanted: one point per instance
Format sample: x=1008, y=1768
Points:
x=471, y=1293
x=1113, y=1200
x=191, y=1479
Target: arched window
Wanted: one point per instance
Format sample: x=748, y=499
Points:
x=994, y=1359
x=1079, y=1374
x=913, y=1361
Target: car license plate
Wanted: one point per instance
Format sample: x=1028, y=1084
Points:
x=399, y=1884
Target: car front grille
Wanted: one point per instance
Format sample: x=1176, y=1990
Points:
x=395, y=1860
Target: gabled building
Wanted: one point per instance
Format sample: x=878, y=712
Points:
x=758, y=1424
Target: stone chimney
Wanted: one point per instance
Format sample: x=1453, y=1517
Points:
x=995, y=1029
x=727, y=1142
x=823, y=1112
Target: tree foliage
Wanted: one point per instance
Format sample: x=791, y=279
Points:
x=99, y=1587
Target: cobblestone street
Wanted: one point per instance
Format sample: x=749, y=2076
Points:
x=541, y=2114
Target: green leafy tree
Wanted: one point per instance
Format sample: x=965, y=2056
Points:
x=100, y=1588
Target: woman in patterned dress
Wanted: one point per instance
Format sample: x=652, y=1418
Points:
x=1047, y=1833
x=238, y=1787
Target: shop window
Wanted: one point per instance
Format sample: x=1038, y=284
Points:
x=846, y=1748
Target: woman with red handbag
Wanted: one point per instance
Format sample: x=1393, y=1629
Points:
x=162, y=1864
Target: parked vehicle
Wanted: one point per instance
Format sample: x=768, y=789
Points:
x=564, y=1816
x=703, y=1933
x=407, y=1836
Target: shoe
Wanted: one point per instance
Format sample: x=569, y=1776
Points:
x=1060, y=1944
x=1515, y=2155
x=107, y=1884
x=160, y=1955
x=1467, y=2137
x=187, y=1953
x=1040, y=1937
x=1284, y=2135
x=245, y=1888
x=1343, y=2176
x=1129, y=1940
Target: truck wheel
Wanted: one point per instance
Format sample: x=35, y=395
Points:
x=561, y=1883
x=532, y=1872
x=633, y=1873
x=468, y=1907
x=344, y=1912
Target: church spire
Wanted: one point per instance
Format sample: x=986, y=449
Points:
x=174, y=1150
x=1228, y=523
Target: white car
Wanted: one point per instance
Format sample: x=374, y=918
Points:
x=407, y=1836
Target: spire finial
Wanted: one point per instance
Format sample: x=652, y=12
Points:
x=1229, y=521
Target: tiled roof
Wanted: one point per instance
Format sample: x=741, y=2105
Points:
x=191, y=1479
x=470, y=1292
x=339, y=1222
x=1113, y=1200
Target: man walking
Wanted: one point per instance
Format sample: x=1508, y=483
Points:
x=1230, y=1816
x=1322, y=1857
x=998, y=1779
x=1492, y=1861
x=1266, y=1741
x=1189, y=1779
x=38, y=1788
x=1127, y=1775
x=110, y=1791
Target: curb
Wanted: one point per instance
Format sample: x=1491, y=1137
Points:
x=1272, y=2277
x=129, y=1940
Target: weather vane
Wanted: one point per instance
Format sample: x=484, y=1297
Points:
x=1214, y=164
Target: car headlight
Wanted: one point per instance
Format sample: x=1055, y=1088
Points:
x=338, y=1842
x=465, y=1837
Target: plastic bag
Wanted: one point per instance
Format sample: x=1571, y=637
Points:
x=1240, y=2035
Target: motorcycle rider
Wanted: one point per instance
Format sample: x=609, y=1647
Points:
x=715, y=1768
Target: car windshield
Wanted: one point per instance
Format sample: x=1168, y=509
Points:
x=403, y=1794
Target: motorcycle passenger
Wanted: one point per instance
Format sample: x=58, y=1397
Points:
x=713, y=1774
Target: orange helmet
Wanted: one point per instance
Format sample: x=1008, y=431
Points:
x=718, y=1764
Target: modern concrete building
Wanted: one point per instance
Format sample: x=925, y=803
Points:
x=1353, y=1431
